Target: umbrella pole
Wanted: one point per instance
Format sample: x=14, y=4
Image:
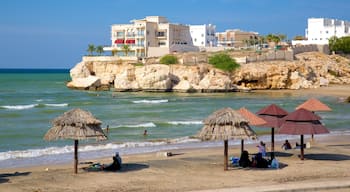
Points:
x=272, y=142
x=75, y=156
x=302, y=147
x=242, y=146
x=225, y=154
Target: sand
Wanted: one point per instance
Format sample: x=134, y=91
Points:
x=325, y=168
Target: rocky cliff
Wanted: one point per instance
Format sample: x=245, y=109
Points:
x=308, y=70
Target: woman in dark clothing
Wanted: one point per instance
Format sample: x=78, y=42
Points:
x=244, y=161
x=116, y=165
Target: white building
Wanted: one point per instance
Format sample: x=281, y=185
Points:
x=148, y=37
x=203, y=35
x=320, y=30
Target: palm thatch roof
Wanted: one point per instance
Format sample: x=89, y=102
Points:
x=225, y=124
x=75, y=124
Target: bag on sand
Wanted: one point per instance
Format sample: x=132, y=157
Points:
x=274, y=163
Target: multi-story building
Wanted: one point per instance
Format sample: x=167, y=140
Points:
x=203, y=35
x=236, y=38
x=151, y=36
x=320, y=30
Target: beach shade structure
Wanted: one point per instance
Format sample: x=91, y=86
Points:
x=314, y=105
x=253, y=119
x=302, y=122
x=273, y=115
x=225, y=124
x=75, y=124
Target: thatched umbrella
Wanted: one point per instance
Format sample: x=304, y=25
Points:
x=225, y=124
x=75, y=124
x=273, y=115
x=302, y=122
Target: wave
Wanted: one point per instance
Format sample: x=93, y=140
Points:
x=30, y=153
x=19, y=107
x=30, y=106
x=150, y=124
x=151, y=101
x=185, y=122
x=56, y=104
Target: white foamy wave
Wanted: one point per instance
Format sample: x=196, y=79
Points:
x=69, y=149
x=150, y=124
x=185, y=122
x=151, y=101
x=56, y=105
x=19, y=107
x=35, y=152
x=183, y=140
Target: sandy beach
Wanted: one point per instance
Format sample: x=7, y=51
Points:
x=325, y=168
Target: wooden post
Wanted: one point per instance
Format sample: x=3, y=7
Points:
x=302, y=147
x=225, y=154
x=75, y=156
x=272, y=142
x=242, y=146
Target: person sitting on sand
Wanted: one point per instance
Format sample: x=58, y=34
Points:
x=286, y=145
x=260, y=162
x=115, y=165
x=244, y=161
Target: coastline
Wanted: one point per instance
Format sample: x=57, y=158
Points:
x=195, y=169
x=333, y=90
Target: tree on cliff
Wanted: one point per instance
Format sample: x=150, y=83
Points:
x=340, y=45
x=99, y=50
x=224, y=62
x=91, y=49
x=126, y=49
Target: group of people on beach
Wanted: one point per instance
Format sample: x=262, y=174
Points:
x=258, y=159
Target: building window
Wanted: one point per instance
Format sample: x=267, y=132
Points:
x=120, y=34
x=161, y=34
x=195, y=39
x=161, y=43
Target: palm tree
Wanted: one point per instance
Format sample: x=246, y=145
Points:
x=99, y=49
x=114, y=52
x=282, y=37
x=126, y=49
x=91, y=49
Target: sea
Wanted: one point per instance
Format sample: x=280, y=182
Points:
x=31, y=98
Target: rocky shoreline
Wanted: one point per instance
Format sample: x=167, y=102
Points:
x=307, y=70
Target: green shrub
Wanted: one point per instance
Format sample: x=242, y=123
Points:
x=168, y=59
x=224, y=62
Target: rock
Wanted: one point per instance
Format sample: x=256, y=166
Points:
x=196, y=75
x=85, y=83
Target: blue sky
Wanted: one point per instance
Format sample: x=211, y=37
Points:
x=55, y=33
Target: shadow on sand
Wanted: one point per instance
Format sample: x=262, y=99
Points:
x=327, y=156
x=4, y=176
x=126, y=167
x=281, y=154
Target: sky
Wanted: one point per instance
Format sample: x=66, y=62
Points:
x=55, y=33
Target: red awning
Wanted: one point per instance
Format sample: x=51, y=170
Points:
x=119, y=41
x=130, y=41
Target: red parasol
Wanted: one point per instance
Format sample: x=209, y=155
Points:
x=302, y=122
x=251, y=117
x=273, y=115
x=314, y=105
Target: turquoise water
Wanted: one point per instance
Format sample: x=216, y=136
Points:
x=30, y=99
